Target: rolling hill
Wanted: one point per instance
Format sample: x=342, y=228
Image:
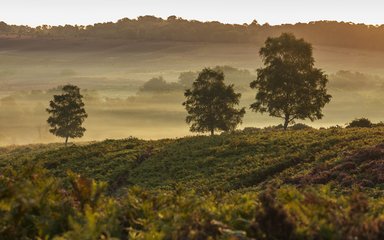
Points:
x=308, y=184
x=246, y=159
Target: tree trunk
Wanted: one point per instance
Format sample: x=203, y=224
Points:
x=286, y=122
x=66, y=141
x=212, y=132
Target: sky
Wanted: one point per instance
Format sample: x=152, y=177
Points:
x=84, y=12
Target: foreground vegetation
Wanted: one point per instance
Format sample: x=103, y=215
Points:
x=253, y=184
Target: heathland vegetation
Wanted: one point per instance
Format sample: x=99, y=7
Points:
x=253, y=184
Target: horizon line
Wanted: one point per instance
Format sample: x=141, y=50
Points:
x=194, y=19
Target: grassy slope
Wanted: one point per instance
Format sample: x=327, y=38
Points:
x=227, y=162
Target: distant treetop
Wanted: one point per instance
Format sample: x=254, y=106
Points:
x=151, y=28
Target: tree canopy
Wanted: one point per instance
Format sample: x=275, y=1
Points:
x=67, y=113
x=159, y=85
x=239, y=77
x=211, y=104
x=150, y=28
x=289, y=86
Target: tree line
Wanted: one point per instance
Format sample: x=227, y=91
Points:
x=150, y=28
x=288, y=87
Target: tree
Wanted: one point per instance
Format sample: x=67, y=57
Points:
x=67, y=114
x=211, y=104
x=289, y=86
x=159, y=85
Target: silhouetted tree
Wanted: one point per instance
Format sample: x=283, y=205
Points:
x=289, y=87
x=186, y=78
x=159, y=85
x=67, y=113
x=211, y=104
x=239, y=77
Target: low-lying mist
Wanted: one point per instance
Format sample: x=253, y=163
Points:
x=136, y=88
x=152, y=109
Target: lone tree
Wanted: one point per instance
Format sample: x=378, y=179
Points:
x=289, y=87
x=67, y=113
x=211, y=104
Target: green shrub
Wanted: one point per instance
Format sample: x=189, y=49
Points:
x=360, y=123
x=34, y=205
x=300, y=126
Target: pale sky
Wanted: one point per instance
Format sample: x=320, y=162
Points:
x=84, y=12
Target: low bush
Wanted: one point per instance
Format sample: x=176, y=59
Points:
x=360, y=123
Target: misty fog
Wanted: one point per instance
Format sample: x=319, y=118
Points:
x=137, y=89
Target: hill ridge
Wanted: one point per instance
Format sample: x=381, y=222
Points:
x=150, y=28
x=224, y=162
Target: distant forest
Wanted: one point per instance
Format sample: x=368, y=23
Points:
x=150, y=28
